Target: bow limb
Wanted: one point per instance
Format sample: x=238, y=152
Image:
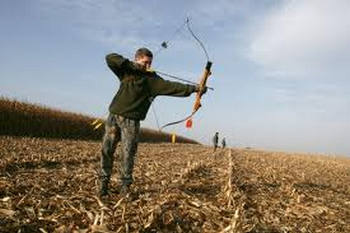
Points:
x=177, y=122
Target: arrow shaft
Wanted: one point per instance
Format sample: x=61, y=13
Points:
x=180, y=79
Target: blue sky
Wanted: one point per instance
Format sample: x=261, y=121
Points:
x=281, y=68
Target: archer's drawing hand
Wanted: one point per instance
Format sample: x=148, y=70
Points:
x=134, y=66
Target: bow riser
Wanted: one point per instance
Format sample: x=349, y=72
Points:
x=202, y=84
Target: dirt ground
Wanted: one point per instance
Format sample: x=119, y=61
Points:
x=52, y=186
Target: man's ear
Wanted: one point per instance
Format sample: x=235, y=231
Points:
x=137, y=58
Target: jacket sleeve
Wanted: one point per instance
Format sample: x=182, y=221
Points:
x=159, y=86
x=120, y=65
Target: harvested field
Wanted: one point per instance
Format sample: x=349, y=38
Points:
x=51, y=186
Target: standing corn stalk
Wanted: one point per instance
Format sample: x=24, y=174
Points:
x=234, y=225
x=228, y=188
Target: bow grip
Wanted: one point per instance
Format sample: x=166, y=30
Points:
x=205, y=75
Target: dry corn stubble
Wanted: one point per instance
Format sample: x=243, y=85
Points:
x=51, y=186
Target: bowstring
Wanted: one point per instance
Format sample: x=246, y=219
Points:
x=165, y=44
x=155, y=115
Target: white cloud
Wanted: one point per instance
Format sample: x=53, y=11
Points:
x=304, y=39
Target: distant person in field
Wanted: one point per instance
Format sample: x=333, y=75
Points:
x=216, y=140
x=223, y=143
x=138, y=88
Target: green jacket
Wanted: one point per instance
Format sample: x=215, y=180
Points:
x=138, y=88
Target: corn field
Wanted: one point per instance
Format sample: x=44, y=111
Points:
x=25, y=119
x=51, y=185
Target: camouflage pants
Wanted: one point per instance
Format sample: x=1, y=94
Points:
x=118, y=128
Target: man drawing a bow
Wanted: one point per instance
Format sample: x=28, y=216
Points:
x=138, y=87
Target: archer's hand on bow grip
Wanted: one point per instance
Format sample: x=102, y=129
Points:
x=202, y=86
x=201, y=90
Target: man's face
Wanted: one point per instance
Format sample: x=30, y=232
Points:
x=144, y=61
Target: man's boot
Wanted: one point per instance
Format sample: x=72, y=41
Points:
x=104, y=187
x=125, y=190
